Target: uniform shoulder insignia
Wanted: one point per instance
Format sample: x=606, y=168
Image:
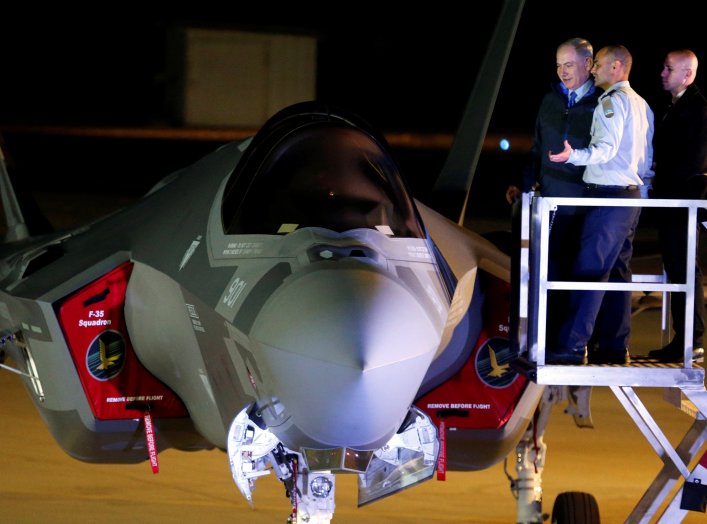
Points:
x=606, y=104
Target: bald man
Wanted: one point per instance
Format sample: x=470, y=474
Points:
x=680, y=155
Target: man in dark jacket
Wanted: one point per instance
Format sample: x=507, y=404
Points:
x=565, y=114
x=680, y=155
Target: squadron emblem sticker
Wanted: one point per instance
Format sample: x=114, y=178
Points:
x=106, y=355
x=493, y=363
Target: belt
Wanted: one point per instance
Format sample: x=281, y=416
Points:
x=611, y=188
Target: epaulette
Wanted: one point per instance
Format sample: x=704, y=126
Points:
x=606, y=104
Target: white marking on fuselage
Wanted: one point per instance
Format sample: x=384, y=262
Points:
x=418, y=252
x=243, y=248
x=386, y=230
x=189, y=252
x=234, y=291
x=195, y=322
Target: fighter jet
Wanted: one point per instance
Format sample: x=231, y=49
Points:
x=286, y=300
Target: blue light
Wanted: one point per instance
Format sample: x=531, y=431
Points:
x=504, y=144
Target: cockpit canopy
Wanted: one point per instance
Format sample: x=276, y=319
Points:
x=315, y=169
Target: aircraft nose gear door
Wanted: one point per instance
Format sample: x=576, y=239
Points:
x=251, y=449
x=408, y=458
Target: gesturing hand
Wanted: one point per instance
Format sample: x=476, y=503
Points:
x=562, y=156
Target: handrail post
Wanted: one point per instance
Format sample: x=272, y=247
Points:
x=536, y=213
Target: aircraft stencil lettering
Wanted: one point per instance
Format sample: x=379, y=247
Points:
x=234, y=291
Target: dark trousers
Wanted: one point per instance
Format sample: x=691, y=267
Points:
x=565, y=231
x=672, y=236
x=604, y=256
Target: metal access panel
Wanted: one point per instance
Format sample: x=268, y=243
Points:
x=230, y=78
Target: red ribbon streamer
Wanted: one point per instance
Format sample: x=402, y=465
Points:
x=150, y=440
x=442, y=459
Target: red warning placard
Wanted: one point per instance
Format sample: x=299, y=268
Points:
x=116, y=384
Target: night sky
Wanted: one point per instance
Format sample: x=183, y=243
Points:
x=403, y=69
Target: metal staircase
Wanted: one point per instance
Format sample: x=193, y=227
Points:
x=684, y=465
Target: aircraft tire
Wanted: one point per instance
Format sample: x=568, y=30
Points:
x=575, y=507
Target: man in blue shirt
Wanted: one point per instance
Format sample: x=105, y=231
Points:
x=559, y=119
x=564, y=114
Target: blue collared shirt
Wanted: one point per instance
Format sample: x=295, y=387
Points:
x=582, y=90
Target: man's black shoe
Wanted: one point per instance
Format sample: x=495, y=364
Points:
x=577, y=356
x=609, y=356
x=673, y=353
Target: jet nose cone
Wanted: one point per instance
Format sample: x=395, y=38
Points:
x=346, y=350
